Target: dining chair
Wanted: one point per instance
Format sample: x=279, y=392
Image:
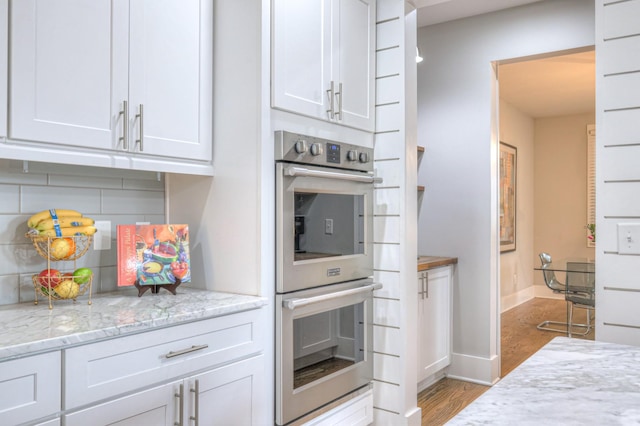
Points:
x=576, y=296
x=581, y=294
x=557, y=287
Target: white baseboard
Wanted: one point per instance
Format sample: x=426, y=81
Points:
x=484, y=371
x=512, y=300
x=422, y=385
x=515, y=299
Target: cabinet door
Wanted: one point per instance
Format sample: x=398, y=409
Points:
x=301, y=63
x=30, y=388
x=157, y=406
x=171, y=77
x=68, y=71
x=355, y=61
x=4, y=79
x=229, y=395
x=435, y=322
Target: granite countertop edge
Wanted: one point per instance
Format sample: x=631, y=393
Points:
x=32, y=329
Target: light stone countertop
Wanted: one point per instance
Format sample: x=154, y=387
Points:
x=29, y=329
x=567, y=382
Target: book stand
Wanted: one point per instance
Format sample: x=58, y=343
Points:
x=156, y=287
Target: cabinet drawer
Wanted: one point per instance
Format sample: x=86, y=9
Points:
x=30, y=388
x=106, y=369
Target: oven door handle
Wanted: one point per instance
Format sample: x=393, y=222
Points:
x=304, y=172
x=292, y=304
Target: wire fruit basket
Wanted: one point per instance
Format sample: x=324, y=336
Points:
x=57, y=285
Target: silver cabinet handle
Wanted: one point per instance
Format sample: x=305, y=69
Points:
x=304, y=172
x=426, y=285
x=186, y=351
x=292, y=304
x=339, y=98
x=180, y=396
x=331, y=95
x=125, y=126
x=140, y=116
x=196, y=396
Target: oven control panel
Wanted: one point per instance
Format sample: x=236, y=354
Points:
x=297, y=148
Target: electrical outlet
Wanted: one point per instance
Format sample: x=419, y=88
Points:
x=102, y=237
x=328, y=226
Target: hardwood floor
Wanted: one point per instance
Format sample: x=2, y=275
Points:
x=519, y=340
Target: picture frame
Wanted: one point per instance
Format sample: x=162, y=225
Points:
x=508, y=196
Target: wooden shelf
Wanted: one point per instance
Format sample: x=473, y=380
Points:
x=420, y=188
x=420, y=149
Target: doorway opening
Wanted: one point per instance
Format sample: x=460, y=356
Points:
x=546, y=104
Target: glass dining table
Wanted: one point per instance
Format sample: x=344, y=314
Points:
x=576, y=275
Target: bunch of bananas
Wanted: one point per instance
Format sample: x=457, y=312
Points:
x=61, y=223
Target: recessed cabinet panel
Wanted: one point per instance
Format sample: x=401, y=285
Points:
x=434, y=320
x=170, y=76
x=4, y=70
x=68, y=62
x=302, y=61
x=30, y=388
x=156, y=406
x=356, y=62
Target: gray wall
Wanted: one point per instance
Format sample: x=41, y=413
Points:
x=120, y=196
x=459, y=166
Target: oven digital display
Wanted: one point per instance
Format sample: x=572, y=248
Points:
x=333, y=153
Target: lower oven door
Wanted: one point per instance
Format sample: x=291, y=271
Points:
x=323, y=346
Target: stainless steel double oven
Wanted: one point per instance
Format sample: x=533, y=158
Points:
x=324, y=285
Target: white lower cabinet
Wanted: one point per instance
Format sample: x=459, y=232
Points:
x=30, y=389
x=210, y=370
x=226, y=395
x=434, y=320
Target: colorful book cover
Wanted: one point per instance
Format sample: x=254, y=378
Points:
x=153, y=254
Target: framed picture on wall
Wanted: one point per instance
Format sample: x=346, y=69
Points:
x=508, y=173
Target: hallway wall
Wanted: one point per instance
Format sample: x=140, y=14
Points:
x=516, y=267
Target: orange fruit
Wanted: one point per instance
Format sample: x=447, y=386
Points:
x=62, y=248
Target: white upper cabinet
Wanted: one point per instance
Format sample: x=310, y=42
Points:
x=323, y=60
x=4, y=45
x=68, y=71
x=356, y=67
x=131, y=76
x=170, y=75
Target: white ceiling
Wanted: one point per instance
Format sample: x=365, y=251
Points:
x=435, y=11
x=553, y=86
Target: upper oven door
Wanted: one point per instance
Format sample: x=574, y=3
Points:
x=324, y=226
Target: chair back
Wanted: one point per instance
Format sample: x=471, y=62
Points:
x=549, y=276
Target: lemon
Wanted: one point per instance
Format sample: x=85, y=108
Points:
x=67, y=289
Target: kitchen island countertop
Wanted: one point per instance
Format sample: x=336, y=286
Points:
x=430, y=262
x=567, y=382
x=29, y=329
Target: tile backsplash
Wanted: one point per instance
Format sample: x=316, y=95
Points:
x=118, y=196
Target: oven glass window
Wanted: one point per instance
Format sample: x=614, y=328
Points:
x=327, y=342
x=328, y=224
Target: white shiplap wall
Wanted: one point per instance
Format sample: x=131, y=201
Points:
x=395, y=217
x=617, y=170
